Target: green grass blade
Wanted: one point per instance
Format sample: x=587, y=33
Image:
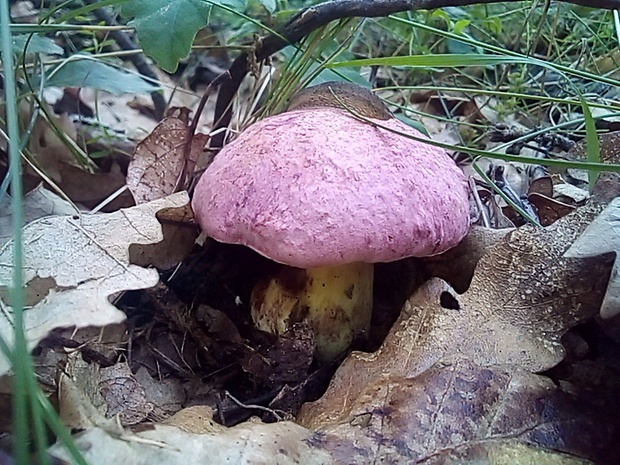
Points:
x=589, y=165
x=55, y=28
x=73, y=13
x=30, y=408
x=593, y=145
x=503, y=51
x=438, y=61
x=59, y=429
x=21, y=358
x=506, y=94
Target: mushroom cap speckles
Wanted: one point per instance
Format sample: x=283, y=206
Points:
x=318, y=187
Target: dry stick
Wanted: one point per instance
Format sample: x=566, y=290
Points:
x=312, y=18
x=187, y=148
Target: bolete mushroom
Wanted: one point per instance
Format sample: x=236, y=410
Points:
x=327, y=194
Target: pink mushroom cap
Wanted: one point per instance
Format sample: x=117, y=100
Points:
x=318, y=187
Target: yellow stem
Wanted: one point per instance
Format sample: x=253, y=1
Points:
x=335, y=301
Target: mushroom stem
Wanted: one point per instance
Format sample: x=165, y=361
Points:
x=335, y=301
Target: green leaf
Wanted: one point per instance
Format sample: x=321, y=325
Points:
x=88, y=72
x=35, y=44
x=495, y=25
x=166, y=28
x=460, y=25
x=441, y=14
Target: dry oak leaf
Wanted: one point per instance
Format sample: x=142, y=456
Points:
x=73, y=264
x=249, y=443
x=80, y=402
x=457, y=265
x=602, y=237
x=523, y=297
x=158, y=163
x=458, y=412
x=37, y=203
x=195, y=419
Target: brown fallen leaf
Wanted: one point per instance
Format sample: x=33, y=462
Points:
x=455, y=412
x=197, y=419
x=79, y=403
x=90, y=189
x=124, y=395
x=57, y=146
x=167, y=395
x=457, y=265
x=524, y=296
x=542, y=185
x=549, y=209
x=180, y=233
x=73, y=264
x=458, y=412
x=250, y=443
x=49, y=141
x=159, y=167
x=599, y=238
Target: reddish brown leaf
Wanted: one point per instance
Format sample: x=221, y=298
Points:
x=159, y=167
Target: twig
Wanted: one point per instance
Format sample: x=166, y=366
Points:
x=187, y=148
x=276, y=415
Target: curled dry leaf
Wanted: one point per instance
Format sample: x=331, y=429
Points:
x=549, y=209
x=73, y=264
x=124, y=395
x=159, y=162
x=524, y=296
x=91, y=396
x=80, y=402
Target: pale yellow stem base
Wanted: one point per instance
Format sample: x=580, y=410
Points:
x=335, y=301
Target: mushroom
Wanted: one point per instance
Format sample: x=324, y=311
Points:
x=327, y=194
